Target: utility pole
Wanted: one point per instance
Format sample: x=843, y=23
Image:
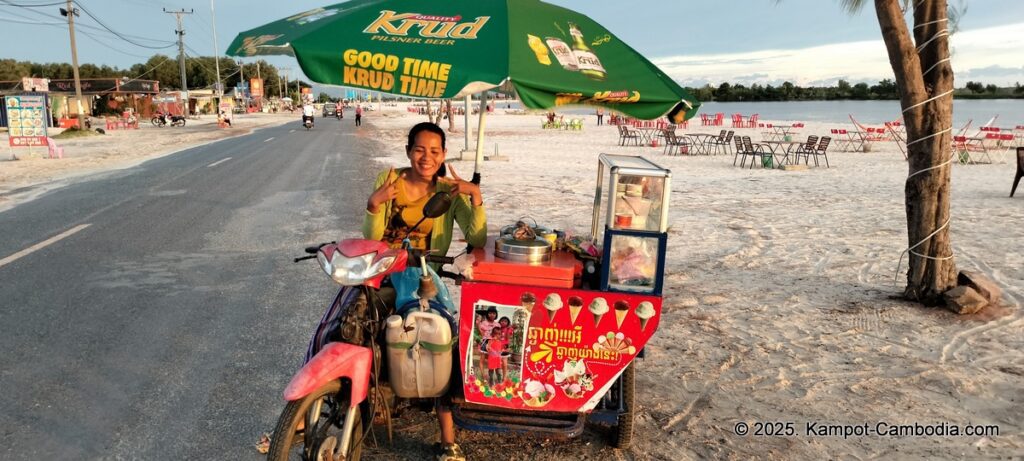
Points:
x=216, y=57
x=181, y=53
x=71, y=12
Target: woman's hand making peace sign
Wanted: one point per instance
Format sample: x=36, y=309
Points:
x=461, y=186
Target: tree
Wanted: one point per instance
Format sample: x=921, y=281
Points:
x=975, y=87
x=860, y=91
x=991, y=88
x=925, y=79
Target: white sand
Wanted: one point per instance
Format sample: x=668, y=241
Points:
x=779, y=295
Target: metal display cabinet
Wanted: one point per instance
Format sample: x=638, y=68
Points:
x=635, y=223
x=637, y=196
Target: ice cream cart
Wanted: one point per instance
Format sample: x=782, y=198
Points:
x=541, y=349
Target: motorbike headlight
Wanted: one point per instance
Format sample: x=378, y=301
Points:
x=354, y=270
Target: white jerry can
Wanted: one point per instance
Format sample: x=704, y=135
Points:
x=419, y=354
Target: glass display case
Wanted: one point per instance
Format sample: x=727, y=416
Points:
x=637, y=196
x=634, y=225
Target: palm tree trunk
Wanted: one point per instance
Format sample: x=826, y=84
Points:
x=925, y=80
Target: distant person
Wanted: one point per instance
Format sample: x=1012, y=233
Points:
x=359, y=114
x=307, y=113
x=225, y=118
x=600, y=116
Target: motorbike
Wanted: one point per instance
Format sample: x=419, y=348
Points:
x=545, y=341
x=307, y=121
x=160, y=120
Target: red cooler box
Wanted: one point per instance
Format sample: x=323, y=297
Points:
x=563, y=270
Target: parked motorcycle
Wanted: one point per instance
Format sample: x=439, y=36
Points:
x=336, y=394
x=307, y=121
x=160, y=120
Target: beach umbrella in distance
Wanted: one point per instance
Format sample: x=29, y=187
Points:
x=552, y=56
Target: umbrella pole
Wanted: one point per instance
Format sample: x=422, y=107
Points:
x=465, y=114
x=480, y=138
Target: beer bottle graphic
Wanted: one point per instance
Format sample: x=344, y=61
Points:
x=562, y=53
x=586, y=60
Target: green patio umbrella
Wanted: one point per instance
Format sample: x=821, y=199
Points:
x=552, y=56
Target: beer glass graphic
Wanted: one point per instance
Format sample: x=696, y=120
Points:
x=537, y=45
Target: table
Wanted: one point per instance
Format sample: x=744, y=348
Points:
x=699, y=140
x=774, y=147
x=647, y=134
x=974, y=144
x=778, y=133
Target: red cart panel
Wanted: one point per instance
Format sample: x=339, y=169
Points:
x=539, y=347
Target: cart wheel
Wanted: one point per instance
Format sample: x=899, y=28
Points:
x=622, y=433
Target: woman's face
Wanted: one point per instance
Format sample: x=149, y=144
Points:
x=426, y=154
x=492, y=315
x=504, y=322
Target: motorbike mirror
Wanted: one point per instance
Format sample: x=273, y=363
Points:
x=437, y=205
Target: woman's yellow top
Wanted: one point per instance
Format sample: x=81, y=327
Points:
x=395, y=217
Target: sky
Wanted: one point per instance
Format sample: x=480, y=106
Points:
x=806, y=42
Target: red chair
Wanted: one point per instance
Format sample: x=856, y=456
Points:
x=719, y=119
x=705, y=120
x=737, y=120
x=752, y=121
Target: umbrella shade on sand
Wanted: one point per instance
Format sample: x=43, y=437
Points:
x=445, y=49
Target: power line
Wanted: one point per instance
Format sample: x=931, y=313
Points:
x=61, y=25
x=63, y=22
x=86, y=10
x=34, y=5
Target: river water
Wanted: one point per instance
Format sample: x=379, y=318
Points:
x=1010, y=111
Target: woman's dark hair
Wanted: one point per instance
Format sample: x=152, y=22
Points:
x=421, y=127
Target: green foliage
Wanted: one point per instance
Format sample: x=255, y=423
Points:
x=991, y=88
x=976, y=87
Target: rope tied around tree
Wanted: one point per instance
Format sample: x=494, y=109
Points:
x=943, y=32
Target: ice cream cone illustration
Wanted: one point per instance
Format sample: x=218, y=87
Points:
x=575, y=306
x=528, y=300
x=552, y=303
x=598, y=307
x=644, y=312
x=621, y=309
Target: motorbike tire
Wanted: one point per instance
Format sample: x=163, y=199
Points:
x=316, y=438
x=622, y=433
x=155, y=121
x=179, y=123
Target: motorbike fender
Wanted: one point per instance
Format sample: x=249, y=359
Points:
x=335, y=360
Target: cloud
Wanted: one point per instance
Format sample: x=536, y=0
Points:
x=988, y=54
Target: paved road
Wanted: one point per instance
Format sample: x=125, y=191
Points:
x=160, y=316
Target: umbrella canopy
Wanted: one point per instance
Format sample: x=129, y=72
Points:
x=444, y=49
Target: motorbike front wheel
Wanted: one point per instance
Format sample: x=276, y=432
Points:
x=323, y=412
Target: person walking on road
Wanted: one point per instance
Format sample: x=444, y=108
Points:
x=359, y=114
x=600, y=116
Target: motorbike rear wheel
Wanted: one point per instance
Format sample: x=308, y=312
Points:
x=155, y=121
x=180, y=122
x=323, y=412
x=622, y=433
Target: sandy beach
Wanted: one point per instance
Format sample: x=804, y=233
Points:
x=780, y=299
x=780, y=295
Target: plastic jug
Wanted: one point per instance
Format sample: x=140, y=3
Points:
x=419, y=354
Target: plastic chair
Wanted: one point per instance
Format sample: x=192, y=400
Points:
x=54, y=151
